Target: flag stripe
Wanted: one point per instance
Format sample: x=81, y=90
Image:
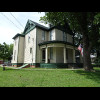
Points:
x=80, y=49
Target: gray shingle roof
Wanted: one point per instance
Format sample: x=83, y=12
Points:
x=31, y=25
x=39, y=25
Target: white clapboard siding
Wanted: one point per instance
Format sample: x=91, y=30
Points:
x=27, y=55
x=21, y=50
x=15, y=49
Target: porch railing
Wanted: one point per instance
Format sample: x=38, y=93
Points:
x=61, y=65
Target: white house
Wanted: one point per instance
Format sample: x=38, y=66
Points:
x=41, y=46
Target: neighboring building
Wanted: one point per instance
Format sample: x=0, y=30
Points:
x=43, y=46
x=93, y=57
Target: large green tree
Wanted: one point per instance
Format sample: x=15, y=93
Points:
x=84, y=23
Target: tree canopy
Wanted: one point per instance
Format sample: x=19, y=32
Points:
x=6, y=51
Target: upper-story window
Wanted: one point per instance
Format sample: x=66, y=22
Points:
x=64, y=36
x=43, y=35
x=51, y=35
x=29, y=38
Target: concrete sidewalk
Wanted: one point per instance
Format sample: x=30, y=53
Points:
x=44, y=68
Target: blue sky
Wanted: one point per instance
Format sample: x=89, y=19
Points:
x=8, y=29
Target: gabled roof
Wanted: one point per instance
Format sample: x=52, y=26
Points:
x=40, y=26
x=31, y=25
x=22, y=35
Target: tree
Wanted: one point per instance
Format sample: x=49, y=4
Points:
x=6, y=51
x=84, y=23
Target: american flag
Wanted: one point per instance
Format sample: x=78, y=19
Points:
x=80, y=49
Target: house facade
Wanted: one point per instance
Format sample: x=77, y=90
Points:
x=41, y=46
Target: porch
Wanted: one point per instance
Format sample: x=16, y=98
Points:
x=57, y=52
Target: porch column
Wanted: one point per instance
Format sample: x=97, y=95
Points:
x=46, y=55
x=74, y=60
x=65, y=55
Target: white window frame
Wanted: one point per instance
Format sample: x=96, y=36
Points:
x=51, y=35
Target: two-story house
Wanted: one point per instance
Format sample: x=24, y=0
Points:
x=43, y=46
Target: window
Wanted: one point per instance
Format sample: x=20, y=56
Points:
x=51, y=53
x=30, y=50
x=29, y=38
x=51, y=35
x=43, y=35
x=64, y=36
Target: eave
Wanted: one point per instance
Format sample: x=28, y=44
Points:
x=50, y=42
x=22, y=35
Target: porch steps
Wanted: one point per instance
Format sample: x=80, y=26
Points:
x=23, y=66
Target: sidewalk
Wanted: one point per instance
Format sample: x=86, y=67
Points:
x=9, y=67
x=44, y=68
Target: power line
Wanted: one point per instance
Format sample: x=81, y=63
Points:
x=10, y=20
x=16, y=19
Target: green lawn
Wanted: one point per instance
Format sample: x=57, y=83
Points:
x=35, y=77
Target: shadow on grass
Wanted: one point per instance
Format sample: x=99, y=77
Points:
x=95, y=76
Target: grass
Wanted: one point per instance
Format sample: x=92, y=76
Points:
x=38, y=77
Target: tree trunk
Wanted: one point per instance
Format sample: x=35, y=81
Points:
x=86, y=53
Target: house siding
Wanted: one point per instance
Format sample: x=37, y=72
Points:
x=59, y=35
x=69, y=38
x=15, y=48
x=21, y=50
x=59, y=55
x=39, y=40
x=27, y=55
x=23, y=45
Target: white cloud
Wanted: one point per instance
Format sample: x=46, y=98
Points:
x=6, y=35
